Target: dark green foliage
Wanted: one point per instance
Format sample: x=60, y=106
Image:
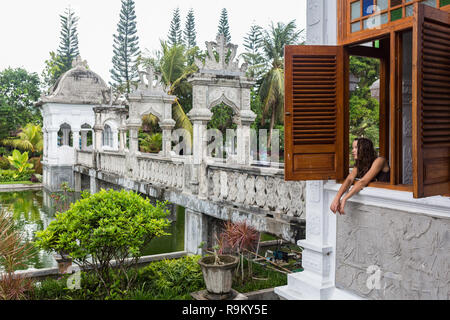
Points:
x=106, y=226
x=222, y=119
x=125, y=48
x=190, y=35
x=224, y=27
x=68, y=47
x=4, y=164
x=174, y=36
x=364, y=110
x=19, y=90
x=54, y=68
x=253, y=44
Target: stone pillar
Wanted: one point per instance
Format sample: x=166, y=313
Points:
x=98, y=138
x=84, y=134
x=122, y=139
x=195, y=231
x=93, y=181
x=115, y=134
x=52, y=146
x=244, y=137
x=167, y=126
x=76, y=138
x=199, y=118
x=77, y=184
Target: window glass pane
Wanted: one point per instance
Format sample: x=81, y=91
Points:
x=356, y=9
x=431, y=3
x=395, y=3
x=384, y=18
x=409, y=11
x=444, y=3
x=372, y=22
x=356, y=26
x=367, y=7
x=396, y=14
x=382, y=4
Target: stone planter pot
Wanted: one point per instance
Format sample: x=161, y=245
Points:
x=218, y=278
x=64, y=263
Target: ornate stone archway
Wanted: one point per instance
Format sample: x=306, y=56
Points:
x=216, y=82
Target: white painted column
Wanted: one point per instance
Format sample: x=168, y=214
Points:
x=84, y=134
x=167, y=126
x=52, y=145
x=76, y=138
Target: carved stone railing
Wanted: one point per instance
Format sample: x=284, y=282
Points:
x=85, y=158
x=257, y=188
x=161, y=171
x=113, y=163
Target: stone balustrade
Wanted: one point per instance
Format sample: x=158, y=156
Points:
x=161, y=171
x=257, y=188
x=113, y=162
x=85, y=158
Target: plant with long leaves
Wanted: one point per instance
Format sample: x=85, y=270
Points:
x=20, y=161
x=29, y=139
x=13, y=255
x=239, y=237
x=272, y=87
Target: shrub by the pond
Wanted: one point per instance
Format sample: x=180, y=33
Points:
x=109, y=225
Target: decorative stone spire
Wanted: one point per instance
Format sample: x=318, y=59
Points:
x=154, y=81
x=222, y=48
x=78, y=62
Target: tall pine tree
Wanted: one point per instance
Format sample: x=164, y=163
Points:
x=126, y=48
x=175, y=37
x=224, y=27
x=253, y=44
x=190, y=35
x=68, y=47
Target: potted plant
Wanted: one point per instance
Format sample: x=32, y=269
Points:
x=218, y=272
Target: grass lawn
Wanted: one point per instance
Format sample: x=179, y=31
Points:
x=19, y=182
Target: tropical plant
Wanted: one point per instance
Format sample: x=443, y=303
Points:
x=13, y=255
x=20, y=161
x=224, y=27
x=53, y=70
x=106, y=226
x=174, y=37
x=4, y=163
x=241, y=238
x=126, y=49
x=272, y=86
x=151, y=143
x=28, y=139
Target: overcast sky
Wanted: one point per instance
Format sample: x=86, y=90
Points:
x=30, y=29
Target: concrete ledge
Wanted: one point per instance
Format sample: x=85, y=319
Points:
x=20, y=187
x=53, y=272
x=264, y=294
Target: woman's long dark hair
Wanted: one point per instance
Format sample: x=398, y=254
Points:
x=366, y=156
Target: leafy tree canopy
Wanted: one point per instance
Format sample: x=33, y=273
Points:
x=19, y=91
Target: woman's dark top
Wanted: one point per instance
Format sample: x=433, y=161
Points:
x=383, y=176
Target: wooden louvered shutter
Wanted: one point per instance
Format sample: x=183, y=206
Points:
x=314, y=113
x=431, y=102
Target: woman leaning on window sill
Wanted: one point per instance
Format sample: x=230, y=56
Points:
x=368, y=167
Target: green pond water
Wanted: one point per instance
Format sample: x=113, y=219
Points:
x=34, y=210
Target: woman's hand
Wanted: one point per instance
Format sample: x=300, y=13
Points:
x=341, y=208
x=335, y=205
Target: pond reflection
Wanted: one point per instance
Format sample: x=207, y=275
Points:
x=34, y=210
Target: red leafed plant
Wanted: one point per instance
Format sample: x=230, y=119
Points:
x=239, y=237
x=13, y=254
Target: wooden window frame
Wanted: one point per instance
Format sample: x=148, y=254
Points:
x=345, y=37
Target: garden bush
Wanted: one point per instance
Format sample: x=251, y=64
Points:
x=12, y=175
x=109, y=225
x=4, y=163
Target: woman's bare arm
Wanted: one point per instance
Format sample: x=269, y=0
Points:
x=343, y=189
x=376, y=167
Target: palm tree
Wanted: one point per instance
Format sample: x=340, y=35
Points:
x=29, y=139
x=272, y=88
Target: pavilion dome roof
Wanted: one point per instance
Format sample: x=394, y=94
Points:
x=79, y=85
